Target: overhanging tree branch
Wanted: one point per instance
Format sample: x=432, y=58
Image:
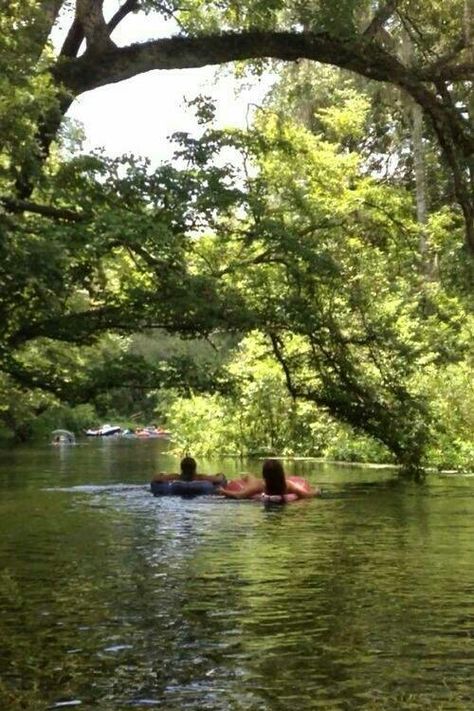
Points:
x=368, y=59
x=59, y=213
x=122, y=63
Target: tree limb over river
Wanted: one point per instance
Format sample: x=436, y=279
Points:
x=349, y=38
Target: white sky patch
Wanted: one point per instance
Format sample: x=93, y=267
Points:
x=138, y=115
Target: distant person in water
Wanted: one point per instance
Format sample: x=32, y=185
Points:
x=273, y=484
x=188, y=472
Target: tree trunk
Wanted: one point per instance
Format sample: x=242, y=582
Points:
x=415, y=114
x=91, y=18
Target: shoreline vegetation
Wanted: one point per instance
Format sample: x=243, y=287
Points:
x=175, y=449
x=261, y=456
x=209, y=426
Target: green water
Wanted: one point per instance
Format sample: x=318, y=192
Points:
x=111, y=599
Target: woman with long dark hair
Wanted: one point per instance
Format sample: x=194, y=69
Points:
x=274, y=486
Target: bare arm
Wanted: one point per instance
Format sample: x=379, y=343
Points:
x=251, y=487
x=162, y=476
x=301, y=491
x=214, y=478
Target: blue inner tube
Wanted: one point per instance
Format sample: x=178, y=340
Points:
x=177, y=487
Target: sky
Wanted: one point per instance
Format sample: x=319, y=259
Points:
x=138, y=115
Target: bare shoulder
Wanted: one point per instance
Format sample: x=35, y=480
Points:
x=243, y=488
x=163, y=476
x=250, y=478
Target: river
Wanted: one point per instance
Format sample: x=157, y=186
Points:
x=112, y=599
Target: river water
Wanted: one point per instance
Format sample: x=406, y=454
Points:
x=113, y=599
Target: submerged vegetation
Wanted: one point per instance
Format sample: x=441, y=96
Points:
x=303, y=286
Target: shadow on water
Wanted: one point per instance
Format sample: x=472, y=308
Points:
x=114, y=599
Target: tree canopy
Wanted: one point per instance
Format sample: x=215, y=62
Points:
x=364, y=37
x=309, y=233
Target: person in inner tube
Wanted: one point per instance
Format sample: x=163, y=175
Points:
x=188, y=472
x=273, y=483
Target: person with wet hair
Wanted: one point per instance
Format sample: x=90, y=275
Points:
x=188, y=472
x=273, y=487
x=188, y=467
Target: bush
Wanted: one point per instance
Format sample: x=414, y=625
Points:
x=76, y=419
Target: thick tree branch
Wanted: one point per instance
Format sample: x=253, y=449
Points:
x=123, y=63
x=463, y=71
x=75, y=36
x=80, y=328
x=73, y=41
x=90, y=16
x=368, y=59
x=20, y=206
x=125, y=9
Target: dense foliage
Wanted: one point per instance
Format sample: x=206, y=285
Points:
x=302, y=286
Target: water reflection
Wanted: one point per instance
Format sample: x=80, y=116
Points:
x=115, y=599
